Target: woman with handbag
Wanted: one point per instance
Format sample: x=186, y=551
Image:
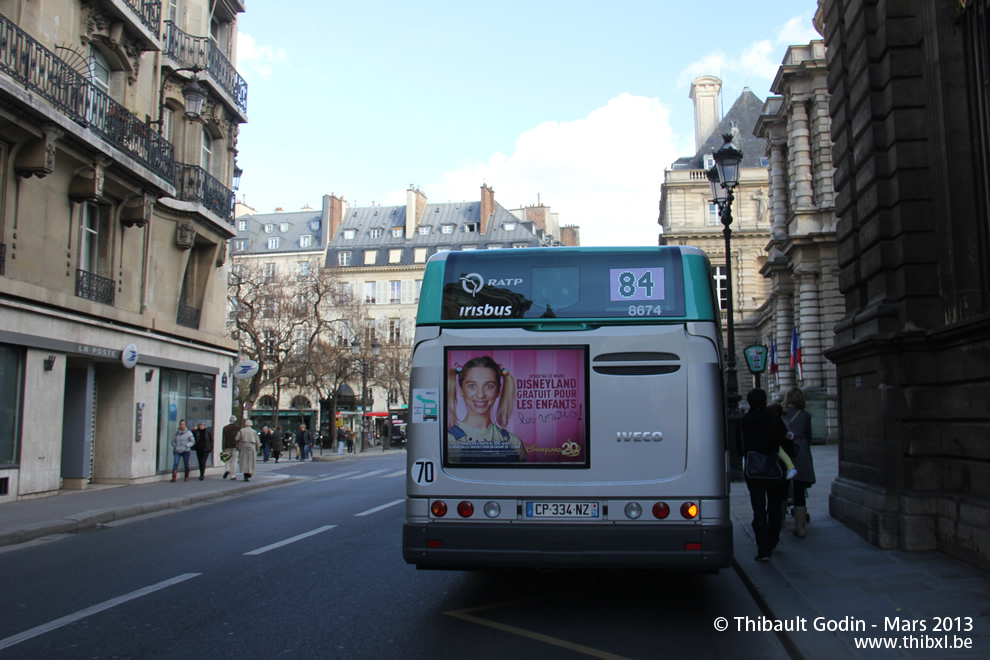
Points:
x=798, y=421
x=762, y=437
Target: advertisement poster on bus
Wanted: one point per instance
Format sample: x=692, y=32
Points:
x=516, y=406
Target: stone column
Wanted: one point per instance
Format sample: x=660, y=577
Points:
x=809, y=322
x=783, y=323
x=801, y=156
x=778, y=190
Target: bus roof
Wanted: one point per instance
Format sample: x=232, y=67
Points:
x=548, y=286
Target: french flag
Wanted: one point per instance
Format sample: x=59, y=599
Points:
x=774, y=367
x=796, y=352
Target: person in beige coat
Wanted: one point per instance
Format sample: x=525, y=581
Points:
x=247, y=448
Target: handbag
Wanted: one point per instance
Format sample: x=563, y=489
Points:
x=225, y=455
x=762, y=466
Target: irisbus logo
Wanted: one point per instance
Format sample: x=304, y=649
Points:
x=639, y=436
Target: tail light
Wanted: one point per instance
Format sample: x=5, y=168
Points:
x=465, y=509
x=438, y=508
x=661, y=510
x=689, y=510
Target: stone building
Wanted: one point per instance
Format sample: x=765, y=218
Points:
x=379, y=254
x=688, y=216
x=115, y=211
x=909, y=108
x=803, y=260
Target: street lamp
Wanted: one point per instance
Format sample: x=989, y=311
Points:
x=724, y=177
x=366, y=361
x=193, y=95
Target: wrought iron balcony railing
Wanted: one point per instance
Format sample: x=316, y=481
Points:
x=51, y=78
x=149, y=11
x=95, y=287
x=188, y=316
x=194, y=184
x=203, y=53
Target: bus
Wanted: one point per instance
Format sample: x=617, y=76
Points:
x=568, y=411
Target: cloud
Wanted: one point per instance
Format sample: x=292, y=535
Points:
x=602, y=173
x=261, y=59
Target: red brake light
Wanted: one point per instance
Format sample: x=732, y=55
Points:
x=689, y=510
x=465, y=509
x=661, y=510
x=438, y=508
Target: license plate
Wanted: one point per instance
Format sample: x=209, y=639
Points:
x=562, y=509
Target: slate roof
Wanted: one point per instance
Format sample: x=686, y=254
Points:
x=744, y=112
x=297, y=225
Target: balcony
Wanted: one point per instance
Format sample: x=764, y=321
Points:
x=188, y=316
x=202, y=53
x=149, y=11
x=94, y=287
x=194, y=184
x=45, y=74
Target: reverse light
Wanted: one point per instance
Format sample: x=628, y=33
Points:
x=492, y=509
x=438, y=508
x=465, y=509
x=633, y=510
x=661, y=510
x=689, y=510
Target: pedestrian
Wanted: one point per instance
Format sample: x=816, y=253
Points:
x=266, y=442
x=304, y=439
x=182, y=442
x=247, y=445
x=230, y=447
x=350, y=441
x=203, y=446
x=341, y=439
x=762, y=436
x=798, y=421
x=278, y=442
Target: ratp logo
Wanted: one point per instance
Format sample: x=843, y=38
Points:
x=472, y=283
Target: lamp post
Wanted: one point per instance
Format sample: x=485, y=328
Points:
x=193, y=96
x=366, y=362
x=723, y=178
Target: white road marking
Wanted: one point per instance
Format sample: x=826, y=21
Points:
x=89, y=611
x=394, y=474
x=379, y=508
x=336, y=476
x=288, y=541
x=367, y=474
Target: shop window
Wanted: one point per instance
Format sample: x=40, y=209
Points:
x=183, y=395
x=11, y=377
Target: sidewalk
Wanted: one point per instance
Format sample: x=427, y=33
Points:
x=835, y=574
x=78, y=510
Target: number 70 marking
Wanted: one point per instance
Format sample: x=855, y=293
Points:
x=422, y=472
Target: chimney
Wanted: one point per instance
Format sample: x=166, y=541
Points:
x=570, y=235
x=704, y=93
x=415, y=206
x=487, y=206
x=333, y=215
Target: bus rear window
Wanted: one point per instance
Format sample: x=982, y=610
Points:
x=554, y=283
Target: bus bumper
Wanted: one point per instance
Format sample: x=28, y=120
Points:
x=468, y=546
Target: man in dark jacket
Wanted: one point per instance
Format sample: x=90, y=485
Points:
x=766, y=434
x=230, y=446
x=304, y=438
x=203, y=446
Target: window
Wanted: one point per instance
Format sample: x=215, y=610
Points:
x=419, y=285
x=370, y=257
x=376, y=233
x=349, y=234
x=242, y=225
x=101, y=72
x=269, y=228
x=369, y=292
x=173, y=11
x=11, y=394
x=206, y=153
x=397, y=232
x=447, y=229
x=271, y=349
x=240, y=245
x=443, y=249
x=419, y=255
x=346, y=291
x=712, y=214
x=509, y=226
x=94, y=243
x=424, y=230
x=494, y=246
x=168, y=121
x=395, y=291
x=305, y=240
x=302, y=269
x=394, y=331
x=344, y=258
x=408, y=292
x=468, y=248
x=520, y=245
x=269, y=308
x=314, y=225
x=283, y=227
x=395, y=256
x=273, y=243
x=471, y=227
x=709, y=162
x=764, y=161
x=270, y=272
x=721, y=288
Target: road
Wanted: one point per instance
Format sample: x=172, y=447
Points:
x=313, y=569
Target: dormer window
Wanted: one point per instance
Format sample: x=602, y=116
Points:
x=424, y=230
x=509, y=226
x=397, y=232
x=709, y=161
x=471, y=227
x=283, y=227
x=269, y=228
x=240, y=245
x=349, y=234
x=376, y=233
x=447, y=229
x=242, y=225
x=305, y=240
x=273, y=243
x=314, y=225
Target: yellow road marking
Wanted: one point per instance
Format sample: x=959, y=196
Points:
x=465, y=615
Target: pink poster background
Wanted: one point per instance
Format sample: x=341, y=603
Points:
x=550, y=413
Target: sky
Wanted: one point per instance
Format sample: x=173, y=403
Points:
x=576, y=104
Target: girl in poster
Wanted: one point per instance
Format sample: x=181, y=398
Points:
x=475, y=438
